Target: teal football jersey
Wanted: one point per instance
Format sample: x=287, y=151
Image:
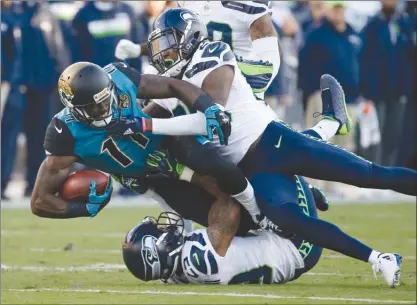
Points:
x=93, y=146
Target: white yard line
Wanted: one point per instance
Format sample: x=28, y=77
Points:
x=117, y=267
x=192, y=293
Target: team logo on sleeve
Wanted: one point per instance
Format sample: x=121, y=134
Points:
x=65, y=92
x=124, y=100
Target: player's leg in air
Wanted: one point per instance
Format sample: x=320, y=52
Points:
x=289, y=206
x=284, y=150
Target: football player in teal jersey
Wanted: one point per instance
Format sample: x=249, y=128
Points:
x=98, y=102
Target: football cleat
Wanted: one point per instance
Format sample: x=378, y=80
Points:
x=389, y=264
x=334, y=103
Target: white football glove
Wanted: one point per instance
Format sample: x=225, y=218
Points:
x=126, y=49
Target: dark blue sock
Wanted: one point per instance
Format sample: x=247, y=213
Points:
x=290, y=218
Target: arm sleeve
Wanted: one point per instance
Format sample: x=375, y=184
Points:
x=183, y=125
x=58, y=139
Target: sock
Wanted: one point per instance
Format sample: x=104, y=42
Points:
x=248, y=200
x=326, y=128
x=373, y=258
x=290, y=218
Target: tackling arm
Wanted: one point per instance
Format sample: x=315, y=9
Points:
x=217, y=85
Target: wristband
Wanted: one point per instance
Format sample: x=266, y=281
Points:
x=187, y=174
x=143, y=125
x=77, y=209
x=202, y=103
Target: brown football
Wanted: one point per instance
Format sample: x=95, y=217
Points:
x=77, y=185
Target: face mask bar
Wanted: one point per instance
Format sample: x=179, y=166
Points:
x=162, y=42
x=108, y=94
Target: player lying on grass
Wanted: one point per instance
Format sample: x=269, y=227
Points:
x=246, y=26
x=157, y=249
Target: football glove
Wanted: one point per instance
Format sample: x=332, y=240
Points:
x=160, y=164
x=97, y=202
x=218, y=122
x=126, y=49
x=137, y=185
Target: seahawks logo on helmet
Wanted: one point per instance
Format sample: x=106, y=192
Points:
x=187, y=16
x=65, y=93
x=150, y=255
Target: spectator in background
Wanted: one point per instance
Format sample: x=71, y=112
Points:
x=7, y=49
x=40, y=57
x=152, y=9
x=386, y=73
x=309, y=14
x=64, y=12
x=98, y=27
x=331, y=48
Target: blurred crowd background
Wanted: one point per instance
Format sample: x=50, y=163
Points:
x=369, y=46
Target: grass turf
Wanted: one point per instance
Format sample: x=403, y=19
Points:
x=36, y=269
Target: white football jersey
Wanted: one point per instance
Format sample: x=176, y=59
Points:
x=264, y=258
x=230, y=21
x=250, y=116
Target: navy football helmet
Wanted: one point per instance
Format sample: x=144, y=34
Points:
x=176, y=35
x=151, y=250
x=87, y=90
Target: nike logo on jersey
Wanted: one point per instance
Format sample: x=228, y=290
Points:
x=57, y=129
x=123, y=64
x=214, y=49
x=279, y=142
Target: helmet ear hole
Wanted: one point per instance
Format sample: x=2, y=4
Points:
x=196, y=35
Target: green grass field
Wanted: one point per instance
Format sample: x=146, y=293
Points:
x=79, y=261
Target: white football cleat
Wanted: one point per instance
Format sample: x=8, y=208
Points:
x=389, y=264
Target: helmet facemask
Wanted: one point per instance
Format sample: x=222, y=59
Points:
x=170, y=243
x=100, y=112
x=163, y=43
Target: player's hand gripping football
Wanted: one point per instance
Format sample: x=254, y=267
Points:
x=126, y=126
x=97, y=202
x=160, y=164
x=218, y=122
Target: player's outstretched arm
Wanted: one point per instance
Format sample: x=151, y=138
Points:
x=217, y=85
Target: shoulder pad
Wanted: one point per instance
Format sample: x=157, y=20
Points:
x=217, y=49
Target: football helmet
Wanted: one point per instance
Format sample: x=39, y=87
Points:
x=151, y=250
x=176, y=35
x=87, y=90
